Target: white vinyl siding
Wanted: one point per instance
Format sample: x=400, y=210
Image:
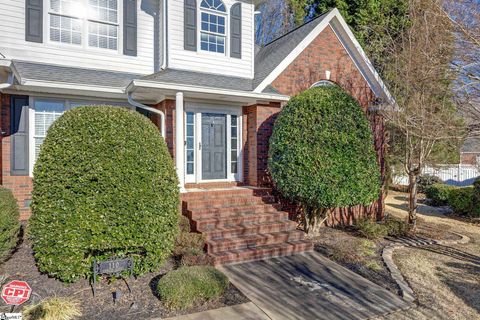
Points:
x=202, y=61
x=14, y=46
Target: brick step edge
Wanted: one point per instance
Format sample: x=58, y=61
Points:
x=254, y=241
x=221, y=194
x=224, y=212
x=271, y=227
x=204, y=225
x=284, y=249
x=229, y=203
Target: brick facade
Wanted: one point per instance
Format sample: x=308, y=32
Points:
x=168, y=107
x=21, y=186
x=258, y=126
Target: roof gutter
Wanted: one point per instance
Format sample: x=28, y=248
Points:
x=150, y=109
x=164, y=38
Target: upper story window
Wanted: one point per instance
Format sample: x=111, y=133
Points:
x=94, y=22
x=323, y=83
x=213, y=26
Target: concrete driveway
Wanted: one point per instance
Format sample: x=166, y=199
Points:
x=310, y=286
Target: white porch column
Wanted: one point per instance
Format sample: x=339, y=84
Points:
x=179, y=141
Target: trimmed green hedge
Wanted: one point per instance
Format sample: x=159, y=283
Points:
x=104, y=185
x=438, y=193
x=462, y=200
x=476, y=198
x=187, y=286
x=425, y=181
x=9, y=223
x=321, y=151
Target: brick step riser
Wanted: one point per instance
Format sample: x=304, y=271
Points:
x=261, y=254
x=221, y=203
x=232, y=244
x=218, y=213
x=224, y=194
x=203, y=226
x=249, y=230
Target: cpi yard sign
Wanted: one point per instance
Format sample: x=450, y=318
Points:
x=16, y=292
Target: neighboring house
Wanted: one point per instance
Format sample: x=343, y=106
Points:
x=190, y=65
x=470, y=151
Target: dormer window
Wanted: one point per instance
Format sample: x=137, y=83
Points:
x=213, y=15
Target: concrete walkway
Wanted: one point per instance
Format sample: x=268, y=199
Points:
x=245, y=311
x=310, y=286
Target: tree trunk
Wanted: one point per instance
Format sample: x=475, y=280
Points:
x=412, y=200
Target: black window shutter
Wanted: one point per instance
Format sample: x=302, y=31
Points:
x=19, y=136
x=236, y=31
x=190, y=25
x=34, y=20
x=130, y=27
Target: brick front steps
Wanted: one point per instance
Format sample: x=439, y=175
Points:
x=242, y=224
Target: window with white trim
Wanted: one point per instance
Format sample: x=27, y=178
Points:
x=91, y=22
x=190, y=142
x=234, y=143
x=46, y=111
x=323, y=83
x=213, y=17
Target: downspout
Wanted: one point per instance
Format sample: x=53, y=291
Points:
x=150, y=109
x=164, y=37
x=9, y=82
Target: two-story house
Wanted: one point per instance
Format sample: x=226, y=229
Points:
x=192, y=66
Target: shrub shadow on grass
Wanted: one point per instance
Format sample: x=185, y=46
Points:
x=464, y=282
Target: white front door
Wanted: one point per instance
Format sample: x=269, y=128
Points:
x=212, y=143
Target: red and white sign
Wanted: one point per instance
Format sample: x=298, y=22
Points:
x=16, y=292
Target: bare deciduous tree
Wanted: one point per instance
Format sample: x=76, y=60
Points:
x=275, y=19
x=420, y=77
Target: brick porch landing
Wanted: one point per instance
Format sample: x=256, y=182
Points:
x=242, y=224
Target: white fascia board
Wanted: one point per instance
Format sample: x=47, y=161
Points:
x=5, y=63
x=296, y=52
x=363, y=56
x=70, y=86
x=206, y=90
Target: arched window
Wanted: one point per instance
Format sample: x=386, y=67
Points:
x=213, y=26
x=323, y=83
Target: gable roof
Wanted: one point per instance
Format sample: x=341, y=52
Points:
x=274, y=52
x=276, y=56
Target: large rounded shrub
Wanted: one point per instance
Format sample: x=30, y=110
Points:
x=9, y=224
x=321, y=151
x=104, y=185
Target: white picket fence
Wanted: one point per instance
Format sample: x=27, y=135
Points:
x=453, y=174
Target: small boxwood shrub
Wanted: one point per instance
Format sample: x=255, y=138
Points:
x=396, y=227
x=439, y=193
x=189, y=246
x=188, y=286
x=104, y=185
x=370, y=229
x=425, y=181
x=461, y=200
x=9, y=223
x=321, y=152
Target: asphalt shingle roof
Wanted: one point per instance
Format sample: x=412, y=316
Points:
x=471, y=144
x=201, y=79
x=48, y=72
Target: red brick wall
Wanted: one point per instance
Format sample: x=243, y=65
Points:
x=168, y=107
x=21, y=186
x=258, y=126
x=326, y=52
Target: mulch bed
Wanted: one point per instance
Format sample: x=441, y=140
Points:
x=141, y=303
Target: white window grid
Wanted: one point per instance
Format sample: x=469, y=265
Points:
x=190, y=143
x=213, y=26
x=93, y=23
x=234, y=144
